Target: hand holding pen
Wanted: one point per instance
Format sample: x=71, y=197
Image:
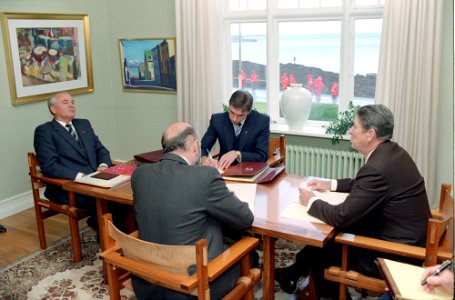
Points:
x=438, y=276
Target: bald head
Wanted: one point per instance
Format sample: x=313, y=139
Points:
x=178, y=137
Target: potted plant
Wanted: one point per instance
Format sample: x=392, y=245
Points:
x=341, y=126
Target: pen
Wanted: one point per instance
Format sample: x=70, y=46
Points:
x=441, y=268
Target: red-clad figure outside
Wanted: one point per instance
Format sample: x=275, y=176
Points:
x=334, y=92
x=310, y=83
x=291, y=79
x=253, y=80
x=284, y=81
x=318, y=88
x=242, y=78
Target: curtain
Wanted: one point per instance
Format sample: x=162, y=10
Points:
x=408, y=79
x=198, y=61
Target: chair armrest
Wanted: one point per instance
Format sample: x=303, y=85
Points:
x=231, y=256
x=380, y=245
x=50, y=180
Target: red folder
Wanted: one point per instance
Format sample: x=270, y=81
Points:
x=149, y=157
x=120, y=169
x=245, y=169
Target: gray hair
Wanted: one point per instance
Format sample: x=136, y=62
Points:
x=178, y=142
x=378, y=117
x=242, y=99
x=50, y=103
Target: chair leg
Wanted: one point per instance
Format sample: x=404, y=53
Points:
x=75, y=238
x=40, y=227
x=113, y=282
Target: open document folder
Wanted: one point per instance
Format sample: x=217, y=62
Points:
x=297, y=211
x=403, y=281
x=103, y=179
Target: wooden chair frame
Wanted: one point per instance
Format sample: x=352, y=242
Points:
x=277, y=157
x=439, y=247
x=167, y=265
x=45, y=208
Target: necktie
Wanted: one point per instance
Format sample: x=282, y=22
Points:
x=71, y=131
x=238, y=129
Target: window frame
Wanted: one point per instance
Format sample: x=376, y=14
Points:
x=348, y=13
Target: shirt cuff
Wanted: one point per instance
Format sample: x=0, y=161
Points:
x=103, y=165
x=310, y=202
x=333, y=185
x=79, y=175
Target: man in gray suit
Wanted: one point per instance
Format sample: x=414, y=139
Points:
x=178, y=202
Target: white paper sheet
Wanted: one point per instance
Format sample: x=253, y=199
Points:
x=296, y=211
x=246, y=192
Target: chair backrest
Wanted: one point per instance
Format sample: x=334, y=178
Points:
x=164, y=265
x=277, y=150
x=439, y=244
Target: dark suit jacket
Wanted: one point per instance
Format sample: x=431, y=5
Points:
x=61, y=156
x=178, y=204
x=253, y=139
x=387, y=199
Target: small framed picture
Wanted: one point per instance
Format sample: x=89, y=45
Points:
x=148, y=65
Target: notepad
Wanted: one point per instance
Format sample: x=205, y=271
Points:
x=403, y=281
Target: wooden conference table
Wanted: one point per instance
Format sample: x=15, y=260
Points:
x=271, y=199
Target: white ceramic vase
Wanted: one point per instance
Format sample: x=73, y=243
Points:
x=295, y=104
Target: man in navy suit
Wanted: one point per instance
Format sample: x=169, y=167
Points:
x=69, y=148
x=243, y=133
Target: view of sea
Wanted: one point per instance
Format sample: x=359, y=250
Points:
x=315, y=50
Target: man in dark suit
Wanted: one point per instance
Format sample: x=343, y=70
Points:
x=243, y=134
x=387, y=200
x=68, y=148
x=178, y=203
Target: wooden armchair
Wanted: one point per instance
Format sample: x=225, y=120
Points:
x=167, y=265
x=277, y=151
x=439, y=247
x=45, y=208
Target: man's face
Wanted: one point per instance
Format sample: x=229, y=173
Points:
x=237, y=115
x=359, y=136
x=64, y=108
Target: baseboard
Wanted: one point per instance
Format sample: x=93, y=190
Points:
x=15, y=204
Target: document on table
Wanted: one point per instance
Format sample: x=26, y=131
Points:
x=297, y=211
x=246, y=192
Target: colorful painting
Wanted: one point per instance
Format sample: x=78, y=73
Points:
x=47, y=54
x=148, y=65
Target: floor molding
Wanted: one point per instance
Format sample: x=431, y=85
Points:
x=15, y=204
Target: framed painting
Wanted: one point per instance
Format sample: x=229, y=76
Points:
x=46, y=54
x=148, y=65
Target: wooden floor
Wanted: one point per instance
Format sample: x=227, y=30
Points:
x=21, y=237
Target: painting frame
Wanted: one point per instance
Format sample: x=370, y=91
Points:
x=148, y=65
x=47, y=54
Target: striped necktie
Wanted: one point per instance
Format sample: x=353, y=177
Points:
x=71, y=131
x=238, y=129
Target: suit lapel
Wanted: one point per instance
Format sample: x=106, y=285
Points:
x=67, y=136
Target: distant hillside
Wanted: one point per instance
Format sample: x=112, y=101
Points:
x=365, y=85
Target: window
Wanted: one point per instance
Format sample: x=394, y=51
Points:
x=331, y=47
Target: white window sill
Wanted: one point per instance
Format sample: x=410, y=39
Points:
x=312, y=129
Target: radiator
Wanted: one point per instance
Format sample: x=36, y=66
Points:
x=323, y=163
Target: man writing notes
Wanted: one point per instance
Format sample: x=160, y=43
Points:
x=387, y=200
x=243, y=133
x=178, y=202
x=68, y=148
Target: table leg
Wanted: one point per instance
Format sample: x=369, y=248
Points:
x=101, y=209
x=268, y=267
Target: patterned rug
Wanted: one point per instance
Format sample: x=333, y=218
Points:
x=51, y=273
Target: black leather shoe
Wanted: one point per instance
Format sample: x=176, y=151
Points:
x=287, y=283
x=2, y=228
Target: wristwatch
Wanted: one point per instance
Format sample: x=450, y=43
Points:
x=239, y=155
